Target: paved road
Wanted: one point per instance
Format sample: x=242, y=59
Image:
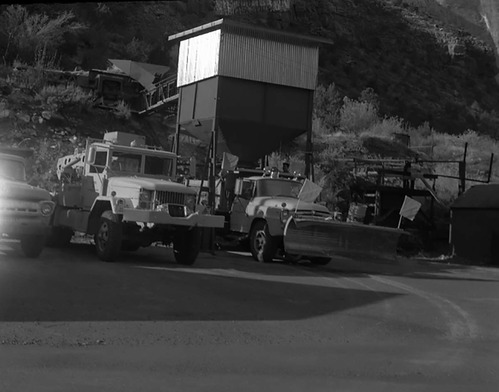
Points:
x=69, y=322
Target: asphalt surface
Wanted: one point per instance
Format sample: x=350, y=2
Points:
x=69, y=322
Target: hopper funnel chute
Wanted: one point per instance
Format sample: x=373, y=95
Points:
x=144, y=73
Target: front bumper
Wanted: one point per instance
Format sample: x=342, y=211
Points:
x=15, y=226
x=163, y=218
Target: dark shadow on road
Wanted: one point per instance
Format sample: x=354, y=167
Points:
x=68, y=285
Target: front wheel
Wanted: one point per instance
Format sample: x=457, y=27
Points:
x=108, y=238
x=262, y=244
x=186, y=245
x=32, y=245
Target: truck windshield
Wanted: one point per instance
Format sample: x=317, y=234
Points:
x=12, y=169
x=276, y=187
x=126, y=162
x=158, y=166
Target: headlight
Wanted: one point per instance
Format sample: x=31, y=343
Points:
x=120, y=206
x=146, y=198
x=190, y=203
x=46, y=207
x=285, y=214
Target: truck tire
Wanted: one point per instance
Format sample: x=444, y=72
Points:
x=32, y=245
x=320, y=260
x=186, y=245
x=262, y=245
x=59, y=237
x=108, y=238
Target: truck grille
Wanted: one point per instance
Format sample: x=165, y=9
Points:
x=317, y=214
x=18, y=206
x=166, y=197
x=176, y=211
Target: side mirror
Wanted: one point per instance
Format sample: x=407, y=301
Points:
x=91, y=156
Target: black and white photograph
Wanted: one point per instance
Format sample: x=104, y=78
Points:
x=249, y=195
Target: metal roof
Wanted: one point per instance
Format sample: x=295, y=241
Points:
x=479, y=197
x=252, y=30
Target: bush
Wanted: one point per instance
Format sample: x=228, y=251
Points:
x=55, y=98
x=327, y=106
x=385, y=128
x=122, y=111
x=26, y=34
x=356, y=116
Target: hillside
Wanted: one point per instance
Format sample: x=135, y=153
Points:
x=422, y=68
x=428, y=61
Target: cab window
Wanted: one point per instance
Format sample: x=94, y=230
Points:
x=247, y=189
x=158, y=166
x=100, y=162
x=126, y=162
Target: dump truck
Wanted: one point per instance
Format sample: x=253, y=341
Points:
x=25, y=210
x=277, y=214
x=125, y=195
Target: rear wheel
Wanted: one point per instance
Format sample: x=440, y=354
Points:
x=262, y=244
x=32, y=245
x=186, y=245
x=108, y=237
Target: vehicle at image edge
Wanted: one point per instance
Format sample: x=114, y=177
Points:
x=25, y=210
x=263, y=209
x=121, y=191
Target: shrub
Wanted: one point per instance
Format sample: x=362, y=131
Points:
x=25, y=34
x=55, y=98
x=122, y=111
x=385, y=128
x=327, y=106
x=356, y=116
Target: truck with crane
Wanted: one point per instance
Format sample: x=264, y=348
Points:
x=124, y=194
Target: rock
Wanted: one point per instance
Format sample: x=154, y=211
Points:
x=46, y=115
x=4, y=113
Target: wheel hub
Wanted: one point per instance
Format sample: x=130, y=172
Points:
x=260, y=240
x=103, y=235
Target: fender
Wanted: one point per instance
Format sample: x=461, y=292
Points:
x=273, y=218
x=116, y=204
x=102, y=204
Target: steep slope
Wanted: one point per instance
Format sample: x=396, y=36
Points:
x=490, y=15
x=478, y=17
x=422, y=68
x=428, y=60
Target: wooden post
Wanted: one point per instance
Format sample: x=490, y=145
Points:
x=462, y=171
x=309, y=169
x=213, y=166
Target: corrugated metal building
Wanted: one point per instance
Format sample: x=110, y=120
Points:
x=475, y=224
x=251, y=86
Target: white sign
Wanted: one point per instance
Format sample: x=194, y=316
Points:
x=410, y=208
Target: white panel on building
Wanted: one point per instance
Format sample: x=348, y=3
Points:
x=198, y=58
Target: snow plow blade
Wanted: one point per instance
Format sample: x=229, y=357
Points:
x=316, y=237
